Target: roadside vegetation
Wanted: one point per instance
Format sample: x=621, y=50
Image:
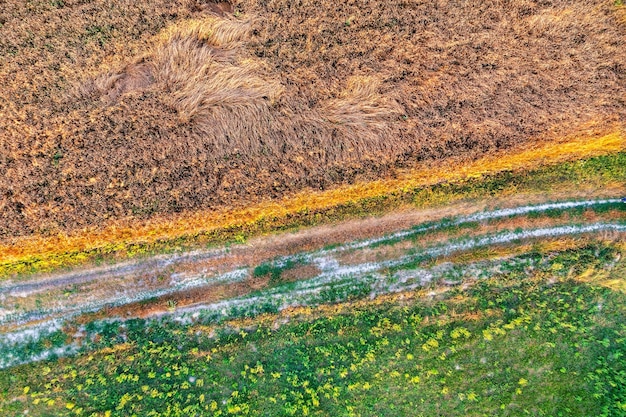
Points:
x=603, y=175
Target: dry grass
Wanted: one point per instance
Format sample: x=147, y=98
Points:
x=201, y=72
x=360, y=104
x=113, y=110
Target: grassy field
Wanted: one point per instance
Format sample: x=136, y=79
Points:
x=509, y=312
x=527, y=338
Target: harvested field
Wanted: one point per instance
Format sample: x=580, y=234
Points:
x=110, y=109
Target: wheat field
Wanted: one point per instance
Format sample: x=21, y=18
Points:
x=115, y=111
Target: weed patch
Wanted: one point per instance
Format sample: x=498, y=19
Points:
x=502, y=345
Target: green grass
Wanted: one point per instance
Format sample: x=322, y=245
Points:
x=597, y=170
x=514, y=344
x=275, y=269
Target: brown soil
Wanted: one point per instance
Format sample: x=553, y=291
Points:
x=109, y=108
